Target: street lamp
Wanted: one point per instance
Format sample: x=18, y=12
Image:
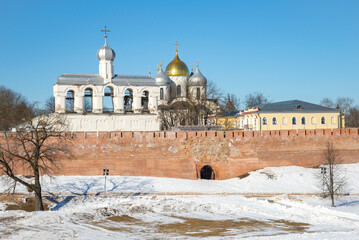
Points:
x=106, y=171
x=323, y=171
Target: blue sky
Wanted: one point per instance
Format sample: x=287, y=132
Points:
x=286, y=49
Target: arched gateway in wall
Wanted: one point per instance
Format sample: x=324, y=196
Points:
x=207, y=173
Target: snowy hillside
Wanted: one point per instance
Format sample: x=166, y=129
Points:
x=269, y=180
x=163, y=208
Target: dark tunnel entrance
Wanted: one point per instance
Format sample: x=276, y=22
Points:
x=207, y=173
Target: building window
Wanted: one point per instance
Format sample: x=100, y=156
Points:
x=294, y=121
x=178, y=90
x=198, y=93
x=264, y=121
x=332, y=120
x=161, y=94
x=322, y=120
x=284, y=121
x=274, y=121
x=303, y=120
x=313, y=120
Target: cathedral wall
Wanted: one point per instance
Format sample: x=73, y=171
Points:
x=183, y=154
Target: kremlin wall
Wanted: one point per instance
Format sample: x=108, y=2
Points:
x=183, y=154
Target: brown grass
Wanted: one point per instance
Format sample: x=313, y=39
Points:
x=18, y=202
x=196, y=227
x=123, y=218
x=243, y=175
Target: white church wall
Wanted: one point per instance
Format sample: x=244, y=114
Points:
x=193, y=91
x=182, y=81
x=112, y=122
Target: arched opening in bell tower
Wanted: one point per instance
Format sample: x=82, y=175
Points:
x=144, y=101
x=70, y=97
x=87, y=103
x=128, y=100
x=207, y=173
x=108, y=100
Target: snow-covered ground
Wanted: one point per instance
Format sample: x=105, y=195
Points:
x=272, y=203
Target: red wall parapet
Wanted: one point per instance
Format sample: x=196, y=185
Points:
x=182, y=154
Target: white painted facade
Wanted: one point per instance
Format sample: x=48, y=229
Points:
x=248, y=122
x=112, y=122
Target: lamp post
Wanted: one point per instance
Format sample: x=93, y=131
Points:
x=323, y=171
x=106, y=171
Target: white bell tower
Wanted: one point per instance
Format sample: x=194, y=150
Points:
x=106, y=56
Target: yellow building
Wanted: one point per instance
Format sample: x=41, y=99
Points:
x=290, y=115
x=226, y=119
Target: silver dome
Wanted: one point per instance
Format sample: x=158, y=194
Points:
x=161, y=78
x=106, y=53
x=197, y=79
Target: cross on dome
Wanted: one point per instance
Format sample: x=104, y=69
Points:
x=177, y=44
x=106, y=31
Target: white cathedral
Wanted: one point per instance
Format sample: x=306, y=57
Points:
x=114, y=102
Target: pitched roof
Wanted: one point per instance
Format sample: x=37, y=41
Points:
x=227, y=113
x=229, y=106
x=294, y=106
x=96, y=79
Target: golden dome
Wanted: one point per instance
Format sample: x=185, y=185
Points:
x=177, y=67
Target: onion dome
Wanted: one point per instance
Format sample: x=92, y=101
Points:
x=197, y=79
x=177, y=67
x=106, y=53
x=161, y=78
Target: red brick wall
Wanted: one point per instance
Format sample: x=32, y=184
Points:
x=183, y=154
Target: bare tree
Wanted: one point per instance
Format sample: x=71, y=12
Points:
x=327, y=102
x=232, y=102
x=352, y=117
x=332, y=176
x=174, y=115
x=48, y=108
x=341, y=103
x=214, y=93
x=50, y=105
x=14, y=109
x=255, y=99
x=87, y=105
x=344, y=103
x=36, y=146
